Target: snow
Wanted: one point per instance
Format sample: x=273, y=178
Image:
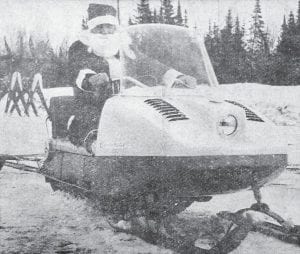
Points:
x=22, y=134
x=282, y=197
x=280, y=103
x=34, y=219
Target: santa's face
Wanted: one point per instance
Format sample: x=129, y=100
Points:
x=103, y=40
x=104, y=29
x=106, y=40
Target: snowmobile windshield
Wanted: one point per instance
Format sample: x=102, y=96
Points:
x=155, y=49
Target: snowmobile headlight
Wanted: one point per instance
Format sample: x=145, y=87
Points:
x=228, y=125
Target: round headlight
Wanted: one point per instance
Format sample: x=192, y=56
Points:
x=228, y=125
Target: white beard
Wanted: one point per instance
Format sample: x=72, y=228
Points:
x=107, y=45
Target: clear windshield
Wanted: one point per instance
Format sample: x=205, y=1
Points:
x=154, y=50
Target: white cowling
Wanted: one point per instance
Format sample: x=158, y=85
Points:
x=131, y=127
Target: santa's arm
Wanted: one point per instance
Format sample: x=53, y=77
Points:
x=148, y=66
x=170, y=76
x=82, y=80
x=83, y=66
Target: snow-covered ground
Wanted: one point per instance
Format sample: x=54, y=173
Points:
x=34, y=219
x=282, y=197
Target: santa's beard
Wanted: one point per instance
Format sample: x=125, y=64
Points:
x=102, y=45
x=107, y=45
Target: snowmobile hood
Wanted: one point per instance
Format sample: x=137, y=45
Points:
x=178, y=126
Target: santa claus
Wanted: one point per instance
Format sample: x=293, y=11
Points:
x=94, y=62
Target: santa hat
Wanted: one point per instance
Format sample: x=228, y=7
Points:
x=101, y=14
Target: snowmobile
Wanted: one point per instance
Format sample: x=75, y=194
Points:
x=158, y=146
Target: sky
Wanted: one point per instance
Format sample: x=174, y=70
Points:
x=60, y=20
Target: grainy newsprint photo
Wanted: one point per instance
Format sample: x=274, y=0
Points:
x=149, y=126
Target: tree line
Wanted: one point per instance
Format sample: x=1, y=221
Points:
x=237, y=54
x=166, y=14
x=30, y=56
x=253, y=56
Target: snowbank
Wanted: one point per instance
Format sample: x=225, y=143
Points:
x=279, y=103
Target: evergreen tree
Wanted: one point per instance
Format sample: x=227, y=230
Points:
x=286, y=64
x=31, y=46
x=155, y=18
x=216, y=37
x=258, y=42
x=240, y=57
x=226, y=35
x=161, y=15
x=258, y=46
x=20, y=45
x=144, y=12
x=60, y=53
x=213, y=45
x=284, y=27
x=227, y=51
x=289, y=39
x=291, y=24
x=8, y=57
x=185, y=18
x=226, y=32
x=239, y=33
x=298, y=18
x=229, y=58
x=130, y=22
x=229, y=23
x=208, y=39
x=178, y=18
x=7, y=47
x=279, y=71
x=165, y=16
x=168, y=12
x=283, y=39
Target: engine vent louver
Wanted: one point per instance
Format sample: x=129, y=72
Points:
x=167, y=110
x=250, y=115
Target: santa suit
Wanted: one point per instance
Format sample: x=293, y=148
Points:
x=83, y=64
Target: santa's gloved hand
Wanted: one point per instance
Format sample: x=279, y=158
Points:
x=99, y=79
x=185, y=81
